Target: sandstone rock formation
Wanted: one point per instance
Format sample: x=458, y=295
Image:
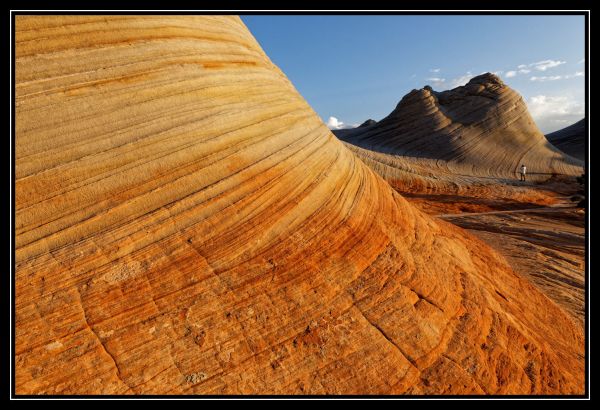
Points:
x=186, y=224
x=547, y=245
x=367, y=123
x=481, y=129
x=572, y=139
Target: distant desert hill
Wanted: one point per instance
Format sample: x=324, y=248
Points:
x=348, y=131
x=572, y=139
x=482, y=128
x=367, y=123
x=186, y=224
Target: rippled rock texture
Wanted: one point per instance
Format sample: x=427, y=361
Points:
x=457, y=139
x=186, y=224
x=571, y=139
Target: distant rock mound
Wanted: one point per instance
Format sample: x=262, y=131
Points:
x=367, y=123
x=186, y=224
x=572, y=139
x=482, y=128
x=345, y=132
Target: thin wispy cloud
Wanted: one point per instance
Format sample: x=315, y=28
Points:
x=546, y=64
x=462, y=80
x=546, y=78
x=434, y=70
x=437, y=82
x=557, y=77
x=576, y=74
x=443, y=84
x=539, y=66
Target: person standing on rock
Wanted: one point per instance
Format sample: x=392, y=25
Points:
x=523, y=172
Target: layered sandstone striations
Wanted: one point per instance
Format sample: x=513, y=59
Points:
x=572, y=139
x=547, y=245
x=185, y=224
x=437, y=140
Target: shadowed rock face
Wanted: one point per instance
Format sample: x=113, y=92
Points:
x=186, y=224
x=482, y=128
x=368, y=123
x=572, y=139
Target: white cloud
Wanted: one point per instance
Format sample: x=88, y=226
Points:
x=575, y=74
x=437, y=82
x=546, y=78
x=546, y=64
x=540, y=66
x=435, y=70
x=443, y=84
x=335, y=124
x=462, y=80
x=551, y=113
x=581, y=61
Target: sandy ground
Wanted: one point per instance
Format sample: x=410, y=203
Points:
x=546, y=244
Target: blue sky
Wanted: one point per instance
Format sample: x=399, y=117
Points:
x=357, y=67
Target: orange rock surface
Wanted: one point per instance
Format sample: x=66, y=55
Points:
x=546, y=245
x=186, y=224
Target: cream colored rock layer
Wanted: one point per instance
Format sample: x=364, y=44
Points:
x=185, y=224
